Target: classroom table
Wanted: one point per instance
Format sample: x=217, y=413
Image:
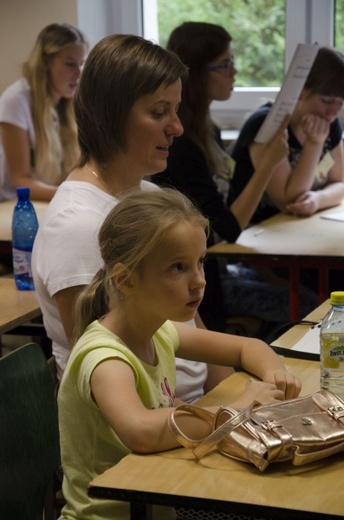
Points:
x=17, y=307
x=6, y=213
x=295, y=243
x=217, y=483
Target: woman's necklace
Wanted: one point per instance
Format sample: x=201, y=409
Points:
x=100, y=180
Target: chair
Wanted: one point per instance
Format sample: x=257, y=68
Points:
x=29, y=438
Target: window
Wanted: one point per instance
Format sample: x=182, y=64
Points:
x=270, y=28
x=256, y=26
x=339, y=25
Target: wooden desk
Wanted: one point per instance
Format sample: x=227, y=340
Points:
x=6, y=213
x=296, y=243
x=17, y=307
x=175, y=478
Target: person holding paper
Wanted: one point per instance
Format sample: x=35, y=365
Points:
x=311, y=177
x=199, y=166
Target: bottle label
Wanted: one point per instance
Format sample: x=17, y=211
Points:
x=333, y=353
x=21, y=262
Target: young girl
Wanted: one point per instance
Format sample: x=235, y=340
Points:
x=38, y=144
x=311, y=177
x=119, y=384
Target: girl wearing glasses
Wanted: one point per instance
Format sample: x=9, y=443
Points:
x=199, y=166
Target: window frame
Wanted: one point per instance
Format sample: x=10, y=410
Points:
x=307, y=21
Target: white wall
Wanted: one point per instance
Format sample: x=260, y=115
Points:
x=20, y=22
x=99, y=18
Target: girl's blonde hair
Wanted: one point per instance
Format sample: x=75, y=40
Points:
x=56, y=148
x=132, y=229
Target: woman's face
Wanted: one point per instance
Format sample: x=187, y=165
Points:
x=327, y=107
x=64, y=71
x=221, y=76
x=152, y=124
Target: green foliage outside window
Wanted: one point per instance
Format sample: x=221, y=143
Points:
x=256, y=26
x=339, y=25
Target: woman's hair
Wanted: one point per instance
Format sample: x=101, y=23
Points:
x=197, y=44
x=56, y=148
x=118, y=71
x=131, y=231
x=326, y=76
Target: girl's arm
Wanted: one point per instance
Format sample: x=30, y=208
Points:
x=17, y=150
x=271, y=156
x=140, y=429
x=287, y=184
x=331, y=194
x=216, y=373
x=251, y=354
x=143, y=430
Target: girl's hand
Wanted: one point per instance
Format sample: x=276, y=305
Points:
x=305, y=205
x=315, y=128
x=259, y=391
x=276, y=149
x=285, y=381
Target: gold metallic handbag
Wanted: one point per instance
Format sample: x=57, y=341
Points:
x=299, y=430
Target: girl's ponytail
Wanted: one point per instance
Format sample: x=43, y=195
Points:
x=91, y=304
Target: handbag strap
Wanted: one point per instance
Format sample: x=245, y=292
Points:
x=181, y=437
x=210, y=442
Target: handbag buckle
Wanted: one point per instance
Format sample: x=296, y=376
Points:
x=336, y=411
x=270, y=425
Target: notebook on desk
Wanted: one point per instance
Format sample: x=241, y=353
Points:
x=308, y=347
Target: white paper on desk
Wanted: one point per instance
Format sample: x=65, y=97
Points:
x=310, y=342
x=290, y=91
x=334, y=216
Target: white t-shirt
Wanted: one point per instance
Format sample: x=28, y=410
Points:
x=15, y=108
x=66, y=251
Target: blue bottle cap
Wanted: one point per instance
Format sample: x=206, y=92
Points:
x=23, y=191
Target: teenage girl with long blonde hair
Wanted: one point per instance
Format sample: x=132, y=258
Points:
x=38, y=139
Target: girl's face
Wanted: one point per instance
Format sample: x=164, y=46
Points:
x=170, y=283
x=327, y=107
x=64, y=71
x=152, y=124
x=221, y=76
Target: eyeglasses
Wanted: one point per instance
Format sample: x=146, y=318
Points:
x=225, y=69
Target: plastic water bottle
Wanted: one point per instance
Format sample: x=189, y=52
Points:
x=24, y=229
x=332, y=346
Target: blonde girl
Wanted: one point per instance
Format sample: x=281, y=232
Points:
x=119, y=384
x=38, y=144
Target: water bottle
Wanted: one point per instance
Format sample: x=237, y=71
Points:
x=24, y=229
x=332, y=346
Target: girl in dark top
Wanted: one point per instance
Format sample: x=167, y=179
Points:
x=199, y=166
x=311, y=177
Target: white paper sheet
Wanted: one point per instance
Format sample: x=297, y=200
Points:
x=310, y=342
x=334, y=216
x=290, y=91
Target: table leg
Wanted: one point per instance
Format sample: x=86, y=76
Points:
x=323, y=284
x=139, y=511
x=294, y=292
